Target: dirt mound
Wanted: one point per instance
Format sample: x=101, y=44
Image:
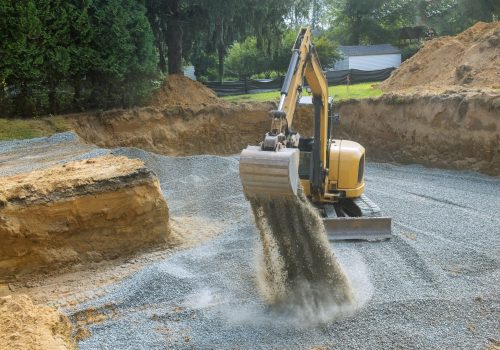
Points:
x=178, y=131
x=178, y=90
x=83, y=210
x=299, y=272
x=470, y=59
x=24, y=325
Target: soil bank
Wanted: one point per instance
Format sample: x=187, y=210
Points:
x=457, y=129
x=90, y=209
x=178, y=131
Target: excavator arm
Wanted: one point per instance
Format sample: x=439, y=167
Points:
x=271, y=169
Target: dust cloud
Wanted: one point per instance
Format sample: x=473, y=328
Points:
x=298, y=273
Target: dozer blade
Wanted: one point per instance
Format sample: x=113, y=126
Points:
x=269, y=173
x=358, y=228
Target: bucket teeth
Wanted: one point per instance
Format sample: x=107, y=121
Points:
x=269, y=173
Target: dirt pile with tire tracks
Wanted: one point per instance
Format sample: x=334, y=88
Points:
x=471, y=59
x=90, y=209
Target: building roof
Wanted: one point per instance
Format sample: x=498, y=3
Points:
x=367, y=50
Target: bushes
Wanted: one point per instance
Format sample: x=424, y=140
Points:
x=244, y=59
x=69, y=55
x=409, y=51
x=267, y=75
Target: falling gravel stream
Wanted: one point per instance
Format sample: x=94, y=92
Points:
x=298, y=273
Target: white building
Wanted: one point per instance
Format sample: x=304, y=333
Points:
x=189, y=72
x=368, y=57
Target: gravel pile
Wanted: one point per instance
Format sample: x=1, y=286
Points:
x=433, y=286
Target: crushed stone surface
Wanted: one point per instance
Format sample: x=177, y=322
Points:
x=434, y=285
x=21, y=156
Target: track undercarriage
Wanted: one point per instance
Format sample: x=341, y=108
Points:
x=355, y=219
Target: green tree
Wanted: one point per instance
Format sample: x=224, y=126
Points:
x=125, y=59
x=47, y=46
x=54, y=44
x=172, y=21
x=355, y=22
x=449, y=17
x=244, y=59
x=327, y=51
x=283, y=51
x=80, y=49
x=21, y=57
x=212, y=26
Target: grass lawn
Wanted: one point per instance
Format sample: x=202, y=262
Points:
x=339, y=92
x=12, y=129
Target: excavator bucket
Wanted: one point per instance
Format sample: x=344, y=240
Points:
x=269, y=173
x=358, y=228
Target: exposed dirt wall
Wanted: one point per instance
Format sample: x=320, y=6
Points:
x=84, y=210
x=178, y=131
x=456, y=130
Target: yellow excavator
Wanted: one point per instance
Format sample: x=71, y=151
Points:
x=331, y=171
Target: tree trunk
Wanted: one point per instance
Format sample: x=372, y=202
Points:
x=174, y=39
x=220, y=47
x=220, y=52
x=23, y=106
x=163, y=61
x=77, y=87
x=314, y=14
x=53, y=108
x=356, y=30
